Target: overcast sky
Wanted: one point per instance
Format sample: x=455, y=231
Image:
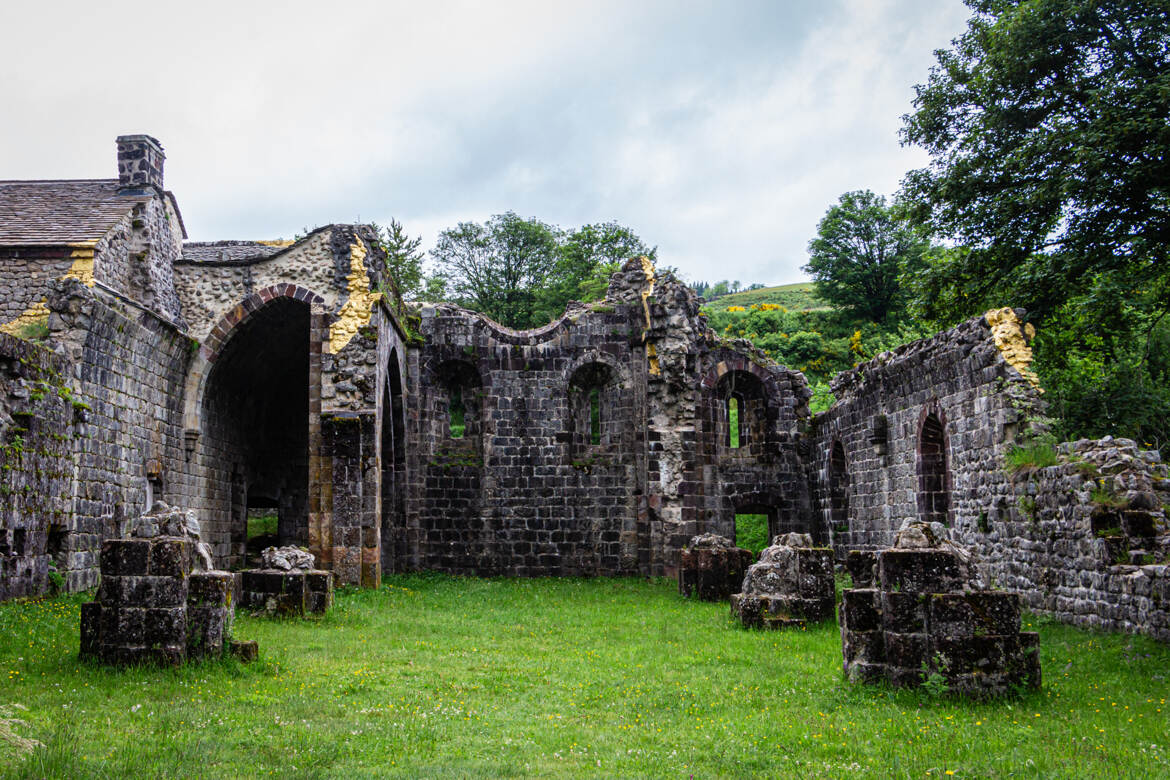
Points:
x=718, y=131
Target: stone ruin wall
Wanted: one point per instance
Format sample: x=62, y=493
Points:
x=526, y=491
x=1085, y=541
x=126, y=367
x=36, y=466
x=1037, y=532
x=24, y=273
x=959, y=378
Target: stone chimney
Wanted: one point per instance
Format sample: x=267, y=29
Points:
x=140, y=162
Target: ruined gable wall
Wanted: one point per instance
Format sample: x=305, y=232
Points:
x=127, y=369
x=525, y=491
x=962, y=377
x=136, y=258
x=36, y=465
x=696, y=481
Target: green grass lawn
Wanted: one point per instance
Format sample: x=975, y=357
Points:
x=440, y=676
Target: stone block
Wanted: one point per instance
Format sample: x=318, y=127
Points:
x=210, y=589
x=125, y=557
x=246, y=652
x=907, y=651
x=170, y=557
x=904, y=613
x=861, y=610
x=919, y=571
x=974, y=614
x=861, y=565
x=164, y=626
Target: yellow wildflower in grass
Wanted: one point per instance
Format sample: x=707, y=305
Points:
x=736, y=308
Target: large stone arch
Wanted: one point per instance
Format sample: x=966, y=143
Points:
x=252, y=419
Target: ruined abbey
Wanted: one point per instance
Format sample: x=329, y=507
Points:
x=232, y=376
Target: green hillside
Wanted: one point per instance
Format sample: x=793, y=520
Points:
x=798, y=296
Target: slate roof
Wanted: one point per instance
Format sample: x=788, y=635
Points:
x=229, y=252
x=60, y=212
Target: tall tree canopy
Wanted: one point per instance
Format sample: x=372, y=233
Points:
x=860, y=250
x=1047, y=128
x=522, y=272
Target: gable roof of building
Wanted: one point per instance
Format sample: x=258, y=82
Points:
x=230, y=252
x=56, y=212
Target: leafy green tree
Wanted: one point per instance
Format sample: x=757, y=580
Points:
x=404, y=261
x=501, y=267
x=860, y=250
x=586, y=258
x=1047, y=128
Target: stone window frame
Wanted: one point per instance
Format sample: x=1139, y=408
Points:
x=837, y=494
x=930, y=484
x=593, y=376
x=462, y=376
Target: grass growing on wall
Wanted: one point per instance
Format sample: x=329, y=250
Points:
x=441, y=676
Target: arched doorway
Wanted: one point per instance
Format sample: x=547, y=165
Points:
x=392, y=454
x=255, y=431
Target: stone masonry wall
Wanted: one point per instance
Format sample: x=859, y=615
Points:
x=591, y=445
x=136, y=258
x=24, y=272
x=961, y=381
x=36, y=465
x=1085, y=541
x=127, y=369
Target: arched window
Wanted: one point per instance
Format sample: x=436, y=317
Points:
x=591, y=396
x=459, y=402
x=741, y=413
x=934, y=499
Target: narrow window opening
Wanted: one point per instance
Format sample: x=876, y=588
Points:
x=456, y=413
x=933, y=494
x=733, y=430
x=595, y=415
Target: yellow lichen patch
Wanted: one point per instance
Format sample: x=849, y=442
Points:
x=36, y=314
x=651, y=352
x=1011, y=337
x=358, y=307
x=82, y=268
x=278, y=242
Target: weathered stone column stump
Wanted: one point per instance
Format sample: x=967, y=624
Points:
x=287, y=585
x=158, y=602
x=792, y=584
x=923, y=621
x=711, y=568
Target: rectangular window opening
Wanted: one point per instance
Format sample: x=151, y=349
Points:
x=733, y=423
x=595, y=416
x=456, y=413
x=751, y=532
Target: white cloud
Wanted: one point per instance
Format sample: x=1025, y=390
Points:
x=718, y=131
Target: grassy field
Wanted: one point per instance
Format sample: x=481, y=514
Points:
x=436, y=676
x=798, y=296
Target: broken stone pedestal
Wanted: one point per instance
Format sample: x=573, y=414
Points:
x=712, y=567
x=792, y=584
x=288, y=585
x=922, y=620
x=157, y=603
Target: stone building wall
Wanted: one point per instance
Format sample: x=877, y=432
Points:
x=36, y=465
x=126, y=370
x=136, y=258
x=920, y=433
x=24, y=272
